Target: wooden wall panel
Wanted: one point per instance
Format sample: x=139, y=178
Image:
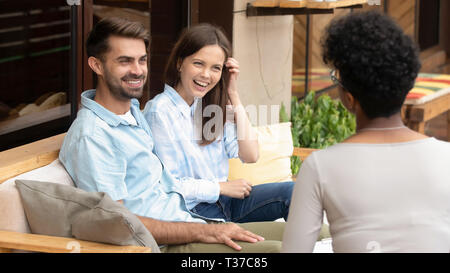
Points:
x=167, y=19
x=318, y=23
x=299, y=39
x=403, y=11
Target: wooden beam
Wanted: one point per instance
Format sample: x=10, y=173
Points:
x=5, y=250
x=335, y=4
x=292, y=4
x=53, y=244
x=429, y=110
x=29, y=157
x=417, y=126
x=276, y=11
x=448, y=126
x=266, y=3
x=303, y=153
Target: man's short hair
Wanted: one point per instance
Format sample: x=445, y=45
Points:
x=97, y=43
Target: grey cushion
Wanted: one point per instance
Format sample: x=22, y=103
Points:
x=61, y=210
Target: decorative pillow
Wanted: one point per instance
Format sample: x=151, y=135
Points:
x=274, y=163
x=61, y=210
x=11, y=210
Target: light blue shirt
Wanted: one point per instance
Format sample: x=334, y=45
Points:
x=198, y=168
x=102, y=152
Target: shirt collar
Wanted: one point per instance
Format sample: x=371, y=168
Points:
x=87, y=101
x=179, y=102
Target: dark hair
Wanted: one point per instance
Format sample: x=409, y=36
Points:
x=192, y=40
x=97, y=42
x=377, y=62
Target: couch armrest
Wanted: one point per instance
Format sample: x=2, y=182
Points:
x=28, y=157
x=303, y=152
x=41, y=243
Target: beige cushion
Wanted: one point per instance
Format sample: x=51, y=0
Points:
x=61, y=210
x=11, y=208
x=274, y=164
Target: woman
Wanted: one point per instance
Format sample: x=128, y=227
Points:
x=386, y=188
x=198, y=123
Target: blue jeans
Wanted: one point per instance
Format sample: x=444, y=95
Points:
x=266, y=202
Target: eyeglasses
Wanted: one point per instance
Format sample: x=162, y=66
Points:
x=334, y=78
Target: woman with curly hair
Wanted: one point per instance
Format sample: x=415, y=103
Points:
x=386, y=188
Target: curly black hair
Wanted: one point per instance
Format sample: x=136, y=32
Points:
x=377, y=62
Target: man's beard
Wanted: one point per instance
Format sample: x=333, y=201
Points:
x=121, y=93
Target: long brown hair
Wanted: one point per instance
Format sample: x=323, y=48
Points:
x=192, y=40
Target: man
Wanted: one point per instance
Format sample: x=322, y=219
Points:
x=109, y=148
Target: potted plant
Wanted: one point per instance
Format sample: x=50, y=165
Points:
x=317, y=123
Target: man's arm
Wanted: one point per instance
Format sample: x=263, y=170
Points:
x=183, y=233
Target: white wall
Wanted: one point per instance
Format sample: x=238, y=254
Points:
x=263, y=46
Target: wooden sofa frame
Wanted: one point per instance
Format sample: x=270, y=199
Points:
x=38, y=154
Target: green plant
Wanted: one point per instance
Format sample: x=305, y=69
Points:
x=317, y=123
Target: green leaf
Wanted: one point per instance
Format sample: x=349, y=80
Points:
x=309, y=100
x=283, y=115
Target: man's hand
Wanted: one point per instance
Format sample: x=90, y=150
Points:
x=184, y=233
x=236, y=189
x=225, y=234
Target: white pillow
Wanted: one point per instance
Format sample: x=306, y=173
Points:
x=11, y=210
x=274, y=163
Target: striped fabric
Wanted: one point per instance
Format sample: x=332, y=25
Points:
x=319, y=78
x=428, y=87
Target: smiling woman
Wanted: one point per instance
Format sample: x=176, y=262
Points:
x=200, y=72
x=201, y=98
x=194, y=48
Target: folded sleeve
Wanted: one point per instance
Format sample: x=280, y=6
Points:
x=96, y=166
x=305, y=212
x=199, y=190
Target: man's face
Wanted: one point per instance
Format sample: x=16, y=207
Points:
x=125, y=67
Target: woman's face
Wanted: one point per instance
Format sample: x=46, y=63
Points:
x=200, y=72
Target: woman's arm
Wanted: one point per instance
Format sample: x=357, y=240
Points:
x=246, y=135
x=305, y=211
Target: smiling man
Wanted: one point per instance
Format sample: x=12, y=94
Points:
x=122, y=72
x=109, y=148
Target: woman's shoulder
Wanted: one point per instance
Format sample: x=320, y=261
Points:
x=339, y=151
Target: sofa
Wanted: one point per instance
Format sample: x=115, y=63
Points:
x=39, y=161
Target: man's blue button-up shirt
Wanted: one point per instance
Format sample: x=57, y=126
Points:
x=102, y=152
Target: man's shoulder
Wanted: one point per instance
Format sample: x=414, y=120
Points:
x=87, y=125
x=161, y=103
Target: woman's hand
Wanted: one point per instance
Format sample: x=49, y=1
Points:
x=233, y=69
x=236, y=189
x=247, y=137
